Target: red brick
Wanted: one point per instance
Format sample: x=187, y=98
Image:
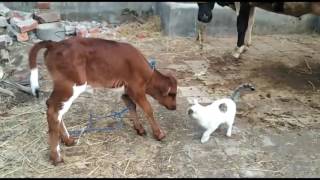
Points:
x=25, y=27
x=22, y=37
x=43, y=5
x=47, y=16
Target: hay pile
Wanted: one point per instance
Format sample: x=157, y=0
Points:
x=136, y=30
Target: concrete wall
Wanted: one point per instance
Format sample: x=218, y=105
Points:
x=88, y=10
x=179, y=19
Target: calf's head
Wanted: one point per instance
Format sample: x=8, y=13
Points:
x=204, y=11
x=164, y=89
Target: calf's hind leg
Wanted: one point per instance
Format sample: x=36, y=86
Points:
x=58, y=104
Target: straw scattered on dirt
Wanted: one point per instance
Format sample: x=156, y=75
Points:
x=281, y=102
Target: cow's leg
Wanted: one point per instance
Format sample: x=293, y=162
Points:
x=133, y=113
x=201, y=27
x=242, y=25
x=250, y=26
x=140, y=98
x=58, y=104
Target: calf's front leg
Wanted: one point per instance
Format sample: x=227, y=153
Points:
x=141, y=99
x=133, y=113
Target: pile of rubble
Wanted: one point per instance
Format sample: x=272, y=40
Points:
x=44, y=24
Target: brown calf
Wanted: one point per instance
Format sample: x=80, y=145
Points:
x=76, y=63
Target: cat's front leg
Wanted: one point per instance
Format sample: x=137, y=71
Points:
x=206, y=135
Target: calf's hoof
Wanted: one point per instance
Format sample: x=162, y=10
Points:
x=70, y=141
x=159, y=136
x=141, y=132
x=56, y=159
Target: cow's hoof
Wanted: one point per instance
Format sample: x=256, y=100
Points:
x=246, y=48
x=159, y=136
x=70, y=141
x=236, y=55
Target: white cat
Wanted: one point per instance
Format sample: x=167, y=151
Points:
x=220, y=111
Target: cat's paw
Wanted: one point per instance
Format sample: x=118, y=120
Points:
x=228, y=134
x=204, y=139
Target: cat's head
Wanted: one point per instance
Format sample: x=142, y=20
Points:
x=193, y=111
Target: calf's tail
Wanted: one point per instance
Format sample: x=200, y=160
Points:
x=33, y=65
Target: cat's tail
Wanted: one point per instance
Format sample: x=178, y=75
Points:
x=236, y=94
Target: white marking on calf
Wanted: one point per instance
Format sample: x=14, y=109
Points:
x=58, y=151
x=250, y=26
x=34, y=80
x=77, y=90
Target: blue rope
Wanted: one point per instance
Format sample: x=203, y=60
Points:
x=152, y=63
x=89, y=128
x=116, y=115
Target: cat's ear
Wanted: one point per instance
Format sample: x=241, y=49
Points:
x=195, y=101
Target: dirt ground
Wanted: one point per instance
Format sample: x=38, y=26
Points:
x=276, y=131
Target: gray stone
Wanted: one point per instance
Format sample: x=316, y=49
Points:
x=51, y=31
x=5, y=40
x=4, y=10
x=3, y=21
x=4, y=56
x=12, y=31
x=70, y=30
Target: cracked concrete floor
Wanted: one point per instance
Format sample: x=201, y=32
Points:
x=276, y=132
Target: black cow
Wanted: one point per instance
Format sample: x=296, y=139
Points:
x=245, y=16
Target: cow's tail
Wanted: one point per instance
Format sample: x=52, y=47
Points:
x=34, y=82
x=236, y=93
